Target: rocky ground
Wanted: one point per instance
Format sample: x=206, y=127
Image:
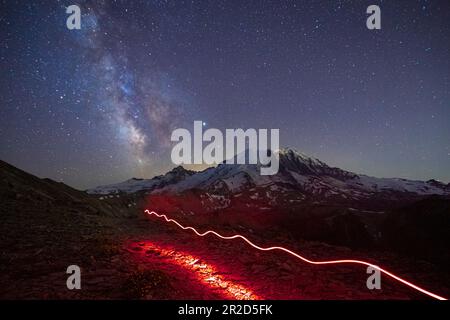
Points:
x=141, y=258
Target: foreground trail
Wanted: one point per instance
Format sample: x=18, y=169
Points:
x=138, y=257
x=232, y=269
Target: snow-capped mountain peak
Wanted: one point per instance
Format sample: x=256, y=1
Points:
x=137, y=184
x=298, y=174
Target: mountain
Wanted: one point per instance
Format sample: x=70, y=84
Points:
x=22, y=192
x=307, y=198
x=134, y=184
x=300, y=177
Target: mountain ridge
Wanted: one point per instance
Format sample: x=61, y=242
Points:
x=297, y=171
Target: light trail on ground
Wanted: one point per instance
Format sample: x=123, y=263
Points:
x=298, y=256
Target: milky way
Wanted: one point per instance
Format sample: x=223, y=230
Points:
x=97, y=105
x=138, y=113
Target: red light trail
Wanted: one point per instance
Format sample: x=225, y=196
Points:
x=207, y=273
x=298, y=256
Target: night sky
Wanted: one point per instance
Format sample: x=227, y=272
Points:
x=98, y=105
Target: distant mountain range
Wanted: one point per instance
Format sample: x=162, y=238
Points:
x=300, y=177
